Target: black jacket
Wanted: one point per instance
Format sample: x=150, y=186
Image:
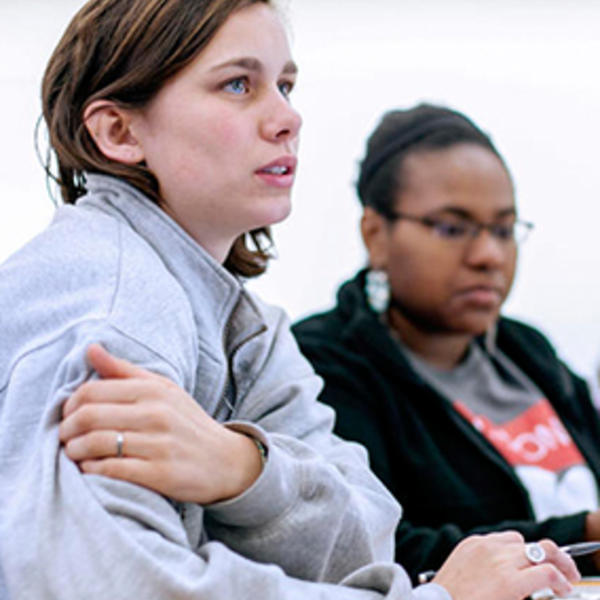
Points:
x=450, y=480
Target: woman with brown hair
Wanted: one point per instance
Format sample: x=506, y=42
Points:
x=200, y=465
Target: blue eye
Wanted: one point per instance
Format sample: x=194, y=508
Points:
x=238, y=86
x=286, y=87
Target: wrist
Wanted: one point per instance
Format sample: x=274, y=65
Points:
x=248, y=457
x=262, y=450
x=592, y=526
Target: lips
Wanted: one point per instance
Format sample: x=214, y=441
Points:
x=285, y=165
x=482, y=296
x=279, y=173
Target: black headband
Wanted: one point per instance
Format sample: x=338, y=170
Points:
x=375, y=160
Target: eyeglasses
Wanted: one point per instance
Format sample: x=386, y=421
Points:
x=461, y=229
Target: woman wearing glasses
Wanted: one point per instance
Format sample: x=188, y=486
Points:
x=470, y=418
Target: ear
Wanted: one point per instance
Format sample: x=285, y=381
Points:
x=376, y=235
x=109, y=125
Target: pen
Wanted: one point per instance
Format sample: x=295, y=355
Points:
x=572, y=550
x=581, y=548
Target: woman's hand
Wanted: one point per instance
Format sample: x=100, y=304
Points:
x=169, y=444
x=495, y=567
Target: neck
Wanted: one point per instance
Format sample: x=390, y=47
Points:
x=218, y=246
x=441, y=349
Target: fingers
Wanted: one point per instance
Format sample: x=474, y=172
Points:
x=121, y=382
x=147, y=417
x=113, y=391
x=143, y=473
x=111, y=367
x=134, y=470
x=539, y=577
x=563, y=562
x=103, y=444
x=557, y=571
x=98, y=444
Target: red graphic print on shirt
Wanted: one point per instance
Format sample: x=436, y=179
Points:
x=536, y=437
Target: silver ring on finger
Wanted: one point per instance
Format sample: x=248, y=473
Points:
x=535, y=553
x=120, y=441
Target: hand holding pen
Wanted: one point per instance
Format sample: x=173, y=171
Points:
x=501, y=566
x=535, y=553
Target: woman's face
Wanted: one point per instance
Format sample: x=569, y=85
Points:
x=449, y=285
x=221, y=136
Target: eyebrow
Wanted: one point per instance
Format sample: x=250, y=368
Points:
x=465, y=214
x=253, y=64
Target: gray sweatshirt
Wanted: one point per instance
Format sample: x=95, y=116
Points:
x=117, y=270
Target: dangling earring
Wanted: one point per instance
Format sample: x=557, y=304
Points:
x=377, y=290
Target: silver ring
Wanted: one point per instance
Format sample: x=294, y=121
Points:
x=535, y=553
x=119, y=445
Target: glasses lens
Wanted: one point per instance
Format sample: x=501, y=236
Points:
x=505, y=232
x=521, y=231
x=450, y=230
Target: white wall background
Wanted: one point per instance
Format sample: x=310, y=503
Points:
x=525, y=70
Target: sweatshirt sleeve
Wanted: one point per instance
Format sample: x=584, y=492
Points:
x=317, y=510
x=71, y=536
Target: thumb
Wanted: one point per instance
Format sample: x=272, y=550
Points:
x=111, y=367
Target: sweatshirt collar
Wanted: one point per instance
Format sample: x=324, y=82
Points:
x=211, y=289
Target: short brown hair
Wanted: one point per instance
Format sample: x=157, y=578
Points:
x=124, y=51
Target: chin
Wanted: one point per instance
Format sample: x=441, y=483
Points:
x=475, y=325
x=276, y=212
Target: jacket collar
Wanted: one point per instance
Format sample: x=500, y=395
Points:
x=530, y=351
x=364, y=327
x=537, y=358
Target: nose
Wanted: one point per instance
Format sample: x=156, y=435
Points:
x=281, y=122
x=486, y=252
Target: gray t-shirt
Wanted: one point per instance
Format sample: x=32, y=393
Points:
x=508, y=409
